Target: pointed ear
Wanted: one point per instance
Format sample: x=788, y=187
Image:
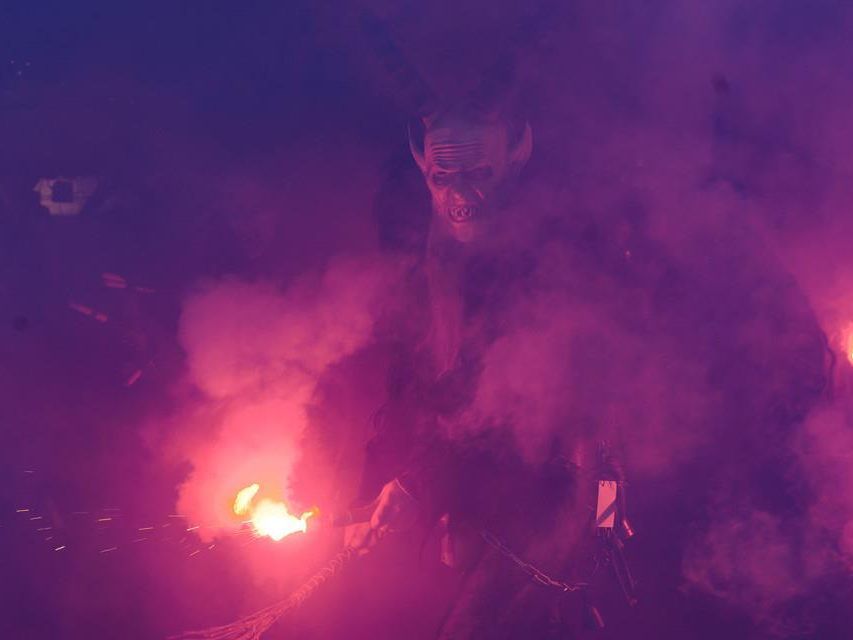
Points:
x=416, y=146
x=520, y=153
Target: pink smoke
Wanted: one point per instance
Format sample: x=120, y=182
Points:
x=736, y=140
x=255, y=353
x=567, y=367
x=749, y=561
x=826, y=450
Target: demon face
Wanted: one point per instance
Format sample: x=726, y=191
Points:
x=468, y=162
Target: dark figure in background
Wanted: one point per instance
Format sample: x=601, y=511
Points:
x=479, y=261
x=495, y=244
x=483, y=255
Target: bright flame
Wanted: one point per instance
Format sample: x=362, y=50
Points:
x=848, y=345
x=844, y=340
x=244, y=499
x=269, y=517
x=272, y=519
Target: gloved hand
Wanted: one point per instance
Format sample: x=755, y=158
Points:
x=394, y=509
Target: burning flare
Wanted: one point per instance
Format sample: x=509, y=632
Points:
x=269, y=517
x=848, y=343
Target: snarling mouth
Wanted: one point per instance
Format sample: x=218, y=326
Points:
x=462, y=214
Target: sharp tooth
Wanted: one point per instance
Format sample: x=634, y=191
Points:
x=462, y=213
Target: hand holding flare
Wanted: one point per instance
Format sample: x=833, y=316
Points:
x=394, y=509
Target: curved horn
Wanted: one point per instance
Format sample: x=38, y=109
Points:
x=416, y=146
x=520, y=153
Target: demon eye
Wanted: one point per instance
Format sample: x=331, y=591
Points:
x=480, y=173
x=441, y=178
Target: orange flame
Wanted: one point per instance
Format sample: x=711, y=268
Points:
x=848, y=343
x=269, y=517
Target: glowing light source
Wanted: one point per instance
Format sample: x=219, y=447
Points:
x=269, y=517
x=847, y=343
x=244, y=499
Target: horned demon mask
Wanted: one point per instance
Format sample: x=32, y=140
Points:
x=469, y=154
x=468, y=160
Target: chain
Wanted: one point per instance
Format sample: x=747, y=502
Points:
x=529, y=569
x=253, y=626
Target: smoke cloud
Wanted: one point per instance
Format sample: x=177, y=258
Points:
x=697, y=158
x=256, y=352
x=707, y=158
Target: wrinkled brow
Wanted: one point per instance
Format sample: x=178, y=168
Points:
x=453, y=154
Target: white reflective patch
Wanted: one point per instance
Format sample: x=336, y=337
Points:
x=65, y=196
x=605, y=513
